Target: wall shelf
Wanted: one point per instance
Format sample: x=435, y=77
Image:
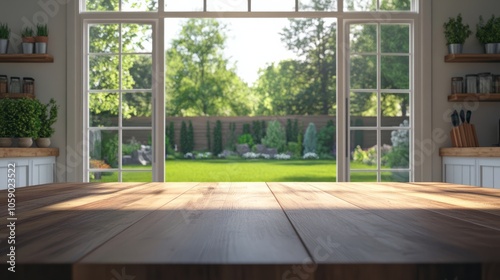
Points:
x=472, y=57
x=26, y=58
x=17, y=95
x=480, y=97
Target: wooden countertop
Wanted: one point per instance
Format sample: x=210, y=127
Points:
x=253, y=231
x=28, y=152
x=470, y=152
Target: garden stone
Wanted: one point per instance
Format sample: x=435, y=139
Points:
x=271, y=152
x=260, y=149
x=242, y=149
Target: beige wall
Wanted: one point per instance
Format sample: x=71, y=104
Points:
x=485, y=115
x=51, y=78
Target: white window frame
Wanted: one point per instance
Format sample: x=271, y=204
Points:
x=77, y=143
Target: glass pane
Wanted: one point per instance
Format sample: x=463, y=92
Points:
x=398, y=5
x=102, y=5
x=104, y=38
x=395, y=149
x=227, y=5
x=137, y=71
x=103, y=72
x=183, y=6
x=363, y=38
x=103, y=109
x=139, y=5
x=363, y=149
x=137, y=38
x=363, y=177
x=136, y=109
x=103, y=176
x=137, y=177
x=360, y=5
x=136, y=149
x=395, y=176
x=363, y=72
x=273, y=5
x=395, y=108
x=395, y=38
x=317, y=5
x=363, y=108
x=395, y=72
x=104, y=147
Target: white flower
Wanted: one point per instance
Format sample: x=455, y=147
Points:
x=188, y=155
x=250, y=155
x=310, y=156
x=282, y=156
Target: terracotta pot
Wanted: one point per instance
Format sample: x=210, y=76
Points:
x=42, y=39
x=43, y=142
x=28, y=39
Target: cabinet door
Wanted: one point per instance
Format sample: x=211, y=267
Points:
x=21, y=172
x=43, y=170
x=489, y=173
x=458, y=170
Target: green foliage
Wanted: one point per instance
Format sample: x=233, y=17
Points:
x=246, y=139
x=326, y=139
x=27, y=32
x=288, y=130
x=209, y=137
x=4, y=31
x=368, y=157
x=171, y=135
x=275, y=136
x=217, y=147
x=257, y=132
x=398, y=156
x=310, y=139
x=109, y=148
x=190, y=137
x=488, y=32
x=246, y=129
x=200, y=80
x=42, y=30
x=7, y=108
x=232, y=139
x=455, y=31
x=168, y=147
x=295, y=131
x=48, y=116
x=25, y=119
x=300, y=150
x=295, y=148
x=184, y=138
x=132, y=146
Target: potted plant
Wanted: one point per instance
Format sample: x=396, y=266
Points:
x=25, y=121
x=42, y=38
x=5, y=123
x=28, y=40
x=486, y=34
x=48, y=116
x=456, y=32
x=4, y=37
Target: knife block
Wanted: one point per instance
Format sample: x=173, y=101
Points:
x=464, y=136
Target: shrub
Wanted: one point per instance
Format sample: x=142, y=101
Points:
x=246, y=139
x=289, y=130
x=326, y=139
x=25, y=117
x=217, y=145
x=184, y=138
x=231, y=141
x=295, y=131
x=310, y=139
x=257, y=132
x=246, y=128
x=209, y=141
x=168, y=146
x=398, y=156
x=368, y=157
x=190, y=137
x=295, y=148
x=275, y=136
x=171, y=135
x=132, y=146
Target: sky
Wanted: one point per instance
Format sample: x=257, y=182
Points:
x=252, y=43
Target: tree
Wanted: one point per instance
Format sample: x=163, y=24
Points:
x=314, y=41
x=217, y=145
x=275, y=136
x=190, y=137
x=310, y=139
x=199, y=80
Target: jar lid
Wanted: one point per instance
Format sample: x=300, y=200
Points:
x=14, y=78
x=457, y=79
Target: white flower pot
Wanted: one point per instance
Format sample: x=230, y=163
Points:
x=28, y=48
x=4, y=45
x=455, y=48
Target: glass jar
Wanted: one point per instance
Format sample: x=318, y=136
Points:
x=28, y=85
x=15, y=85
x=457, y=85
x=496, y=83
x=471, y=83
x=485, y=82
x=4, y=84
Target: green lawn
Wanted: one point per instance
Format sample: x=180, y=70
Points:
x=220, y=170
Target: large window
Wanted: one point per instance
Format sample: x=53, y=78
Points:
x=352, y=67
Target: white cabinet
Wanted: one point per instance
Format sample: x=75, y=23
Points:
x=28, y=170
x=482, y=172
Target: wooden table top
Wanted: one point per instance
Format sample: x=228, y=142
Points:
x=253, y=231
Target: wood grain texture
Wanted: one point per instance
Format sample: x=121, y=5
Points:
x=26, y=58
x=479, y=97
x=28, y=152
x=472, y=57
x=470, y=152
x=229, y=231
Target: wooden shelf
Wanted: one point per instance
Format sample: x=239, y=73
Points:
x=472, y=57
x=17, y=95
x=13, y=152
x=470, y=152
x=480, y=97
x=26, y=58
